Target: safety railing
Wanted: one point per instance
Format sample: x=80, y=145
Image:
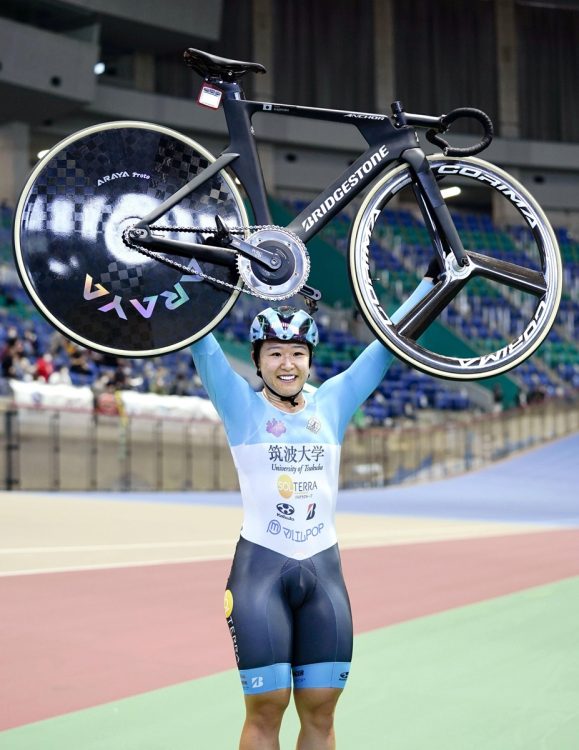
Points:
x=53, y=450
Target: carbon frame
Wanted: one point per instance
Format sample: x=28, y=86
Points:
x=386, y=144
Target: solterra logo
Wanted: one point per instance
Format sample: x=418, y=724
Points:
x=285, y=486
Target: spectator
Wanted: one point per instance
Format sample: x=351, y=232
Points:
x=61, y=376
x=8, y=360
x=31, y=343
x=497, y=398
x=79, y=363
x=44, y=367
x=159, y=384
x=14, y=362
x=118, y=380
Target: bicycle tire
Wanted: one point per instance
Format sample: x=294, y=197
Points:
x=70, y=253
x=371, y=296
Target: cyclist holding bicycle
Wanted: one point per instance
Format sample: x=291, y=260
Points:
x=286, y=604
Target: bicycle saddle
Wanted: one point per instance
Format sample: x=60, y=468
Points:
x=208, y=65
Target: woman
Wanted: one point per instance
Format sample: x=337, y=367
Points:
x=286, y=604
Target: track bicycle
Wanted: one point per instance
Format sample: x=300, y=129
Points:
x=133, y=239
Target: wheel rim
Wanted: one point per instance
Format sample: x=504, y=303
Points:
x=466, y=367
x=71, y=256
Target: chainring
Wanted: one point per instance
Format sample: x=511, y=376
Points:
x=294, y=269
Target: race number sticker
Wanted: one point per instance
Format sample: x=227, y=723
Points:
x=209, y=96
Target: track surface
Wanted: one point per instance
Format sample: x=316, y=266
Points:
x=453, y=605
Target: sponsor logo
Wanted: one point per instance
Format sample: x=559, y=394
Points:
x=342, y=190
x=369, y=292
x=290, y=458
x=314, y=425
x=285, y=509
x=311, y=511
x=228, y=603
x=119, y=175
x=257, y=682
x=299, y=676
x=344, y=675
x=506, y=351
x=303, y=487
x=358, y=116
x=275, y=108
x=275, y=427
x=285, y=486
x=173, y=298
x=302, y=536
x=274, y=527
x=482, y=176
x=231, y=627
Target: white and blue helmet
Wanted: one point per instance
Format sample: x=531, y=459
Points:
x=285, y=324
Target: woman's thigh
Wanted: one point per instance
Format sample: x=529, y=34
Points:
x=259, y=619
x=323, y=630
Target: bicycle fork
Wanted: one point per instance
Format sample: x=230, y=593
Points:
x=434, y=210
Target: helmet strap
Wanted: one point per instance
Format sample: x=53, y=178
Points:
x=290, y=399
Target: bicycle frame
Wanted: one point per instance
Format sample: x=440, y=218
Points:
x=387, y=144
x=266, y=261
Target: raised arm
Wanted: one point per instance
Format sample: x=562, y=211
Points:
x=228, y=391
x=353, y=386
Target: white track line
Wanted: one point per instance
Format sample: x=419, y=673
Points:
x=348, y=537
x=111, y=547
x=115, y=566
x=373, y=540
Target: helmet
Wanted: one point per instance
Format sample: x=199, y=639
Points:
x=286, y=324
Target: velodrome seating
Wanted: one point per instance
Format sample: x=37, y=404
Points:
x=401, y=252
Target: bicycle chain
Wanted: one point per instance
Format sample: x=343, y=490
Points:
x=203, y=230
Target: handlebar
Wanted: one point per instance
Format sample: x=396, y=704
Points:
x=446, y=121
x=442, y=125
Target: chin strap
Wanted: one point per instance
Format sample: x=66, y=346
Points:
x=290, y=399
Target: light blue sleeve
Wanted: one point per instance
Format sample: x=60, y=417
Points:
x=228, y=391
x=351, y=388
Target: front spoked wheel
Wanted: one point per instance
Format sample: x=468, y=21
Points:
x=70, y=240
x=503, y=302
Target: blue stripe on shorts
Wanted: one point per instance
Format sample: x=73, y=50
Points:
x=264, y=679
x=331, y=674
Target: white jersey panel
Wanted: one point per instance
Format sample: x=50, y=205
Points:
x=288, y=464
x=289, y=495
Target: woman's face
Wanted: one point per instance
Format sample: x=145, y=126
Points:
x=284, y=365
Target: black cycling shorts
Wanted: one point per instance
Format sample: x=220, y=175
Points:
x=288, y=618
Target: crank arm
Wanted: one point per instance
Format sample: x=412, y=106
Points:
x=265, y=258
x=143, y=236
x=208, y=253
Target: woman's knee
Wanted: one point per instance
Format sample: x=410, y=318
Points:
x=267, y=709
x=316, y=706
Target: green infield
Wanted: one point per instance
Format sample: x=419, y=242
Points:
x=502, y=674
